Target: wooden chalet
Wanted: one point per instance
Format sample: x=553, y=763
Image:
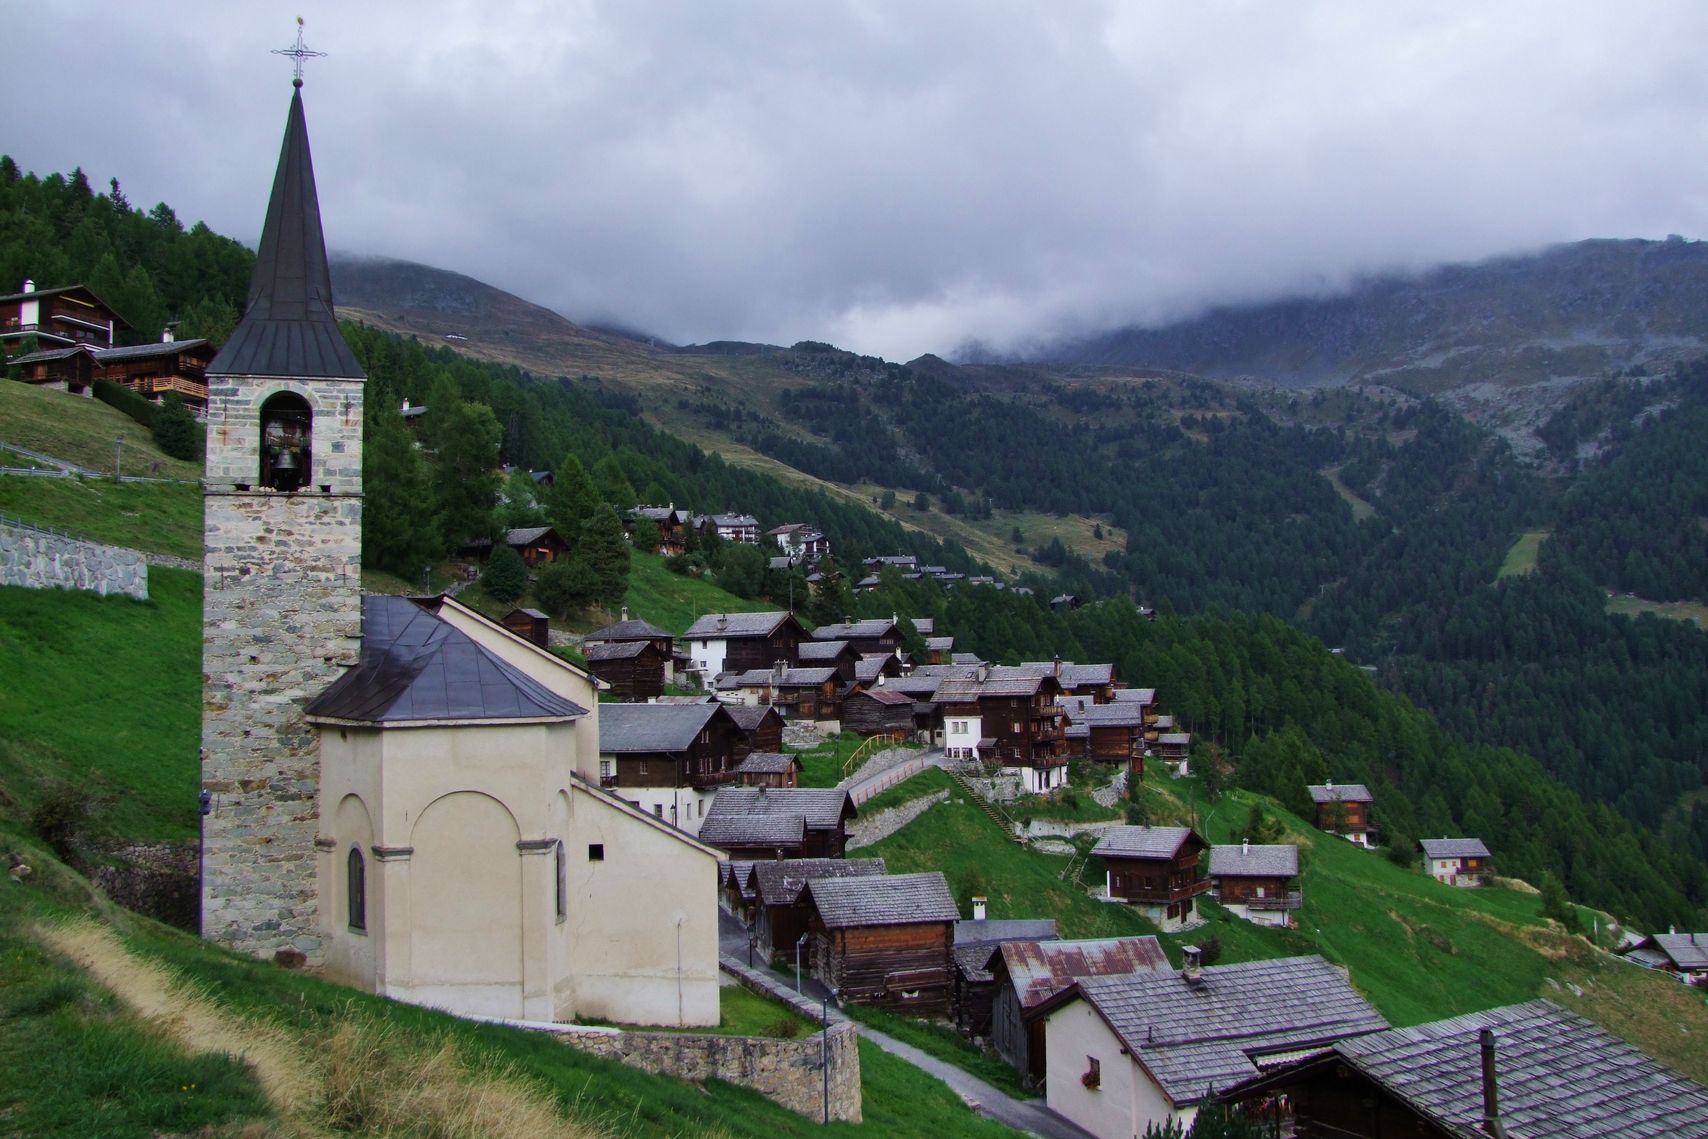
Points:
x=672, y=527
x=874, y=665
x=1684, y=955
x=876, y=635
x=1257, y=883
x=840, y=655
x=1344, y=810
x=778, y=822
x=1155, y=869
x=635, y=670
x=770, y=769
x=1025, y=974
x=885, y=941
x=878, y=711
x=531, y=625
x=739, y=642
x=938, y=650
x=68, y=368
x=1013, y=714
x=1111, y=733
x=776, y=887
x=1457, y=861
x=153, y=370
x=669, y=759
x=538, y=545
x=808, y=694
x=1093, y=682
x=627, y=630
x=976, y=941
x=1524, y=1071
x=58, y=318
x=761, y=728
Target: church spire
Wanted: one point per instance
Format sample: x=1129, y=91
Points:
x=288, y=326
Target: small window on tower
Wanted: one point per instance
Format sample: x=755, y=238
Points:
x=356, y=883
x=595, y=852
x=287, y=426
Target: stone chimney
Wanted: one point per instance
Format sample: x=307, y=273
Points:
x=29, y=286
x=167, y=336
x=1491, y=1087
x=405, y=404
x=625, y=612
x=1192, y=968
x=978, y=908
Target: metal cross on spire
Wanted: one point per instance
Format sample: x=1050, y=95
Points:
x=299, y=52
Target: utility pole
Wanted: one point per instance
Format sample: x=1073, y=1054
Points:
x=118, y=456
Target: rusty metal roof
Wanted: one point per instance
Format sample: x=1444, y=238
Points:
x=1041, y=969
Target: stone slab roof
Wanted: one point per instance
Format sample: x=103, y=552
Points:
x=752, y=830
x=416, y=666
x=892, y=899
x=1106, y=715
x=748, y=717
x=1559, y=1076
x=1135, y=695
x=616, y=650
x=1040, y=969
x=1341, y=792
x=1454, y=848
x=884, y=694
x=1199, y=1037
x=844, y=630
x=768, y=763
x=629, y=630
x=1142, y=842
x=1687, y=950
x=821, y=650
x=644, y=728
x=727, y=626
x=1243, y=861
x=779, y=881
x=823, y=808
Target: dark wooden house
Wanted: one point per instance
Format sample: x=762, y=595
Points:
x=72, y=368
x=885, y=941
x=153, y=370
x=627, y=631
x=1156, y=869
x=876, y=635
x=874, y=665
x=635, y=670
x=770, y=769
x=1025, y=974
x=668, y=759
x=1523, y=1071
x=672, y=527
x=1095, y=682
x=1113, y=733
x=839, y=655
x=813, y=694
x=779, y=822
x=877, y=711
x=71, y=314
x=735, y=881
x=761, y=728
x=777, y=887
x=976, y=941
x=1258, y=883
x=537, y=544
x=740, y=642
x=1344, y=809
x=532, y=625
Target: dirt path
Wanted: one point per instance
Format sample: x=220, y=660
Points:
x=193, y=1021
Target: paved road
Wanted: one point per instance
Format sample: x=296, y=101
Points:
x=1030, y=1116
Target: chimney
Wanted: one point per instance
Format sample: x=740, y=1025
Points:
x=1491, y=1089
x=166, y=334
x=1192, y=970
x=1329, y=787
x=978, y=907
x=625, y=612
x=1058, y=664
x=1245, y=846
x=29, y=286
x=405, y=404
x=983, y=672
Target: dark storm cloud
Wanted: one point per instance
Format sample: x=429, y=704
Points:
x=896, y=177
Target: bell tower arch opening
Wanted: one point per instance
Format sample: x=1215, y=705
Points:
x=287, y=442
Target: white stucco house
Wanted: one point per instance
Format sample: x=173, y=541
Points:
x=1457, y=861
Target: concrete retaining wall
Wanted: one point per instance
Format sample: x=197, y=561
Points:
x=42, y=559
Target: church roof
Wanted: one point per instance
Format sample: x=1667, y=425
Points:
x=288, y=326
x=416, y=666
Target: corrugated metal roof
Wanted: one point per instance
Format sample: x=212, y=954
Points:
x=289, y=327
x=1142, y=842
x=1041, y=969
x=632, y=728
x=416, y=666
x=1279, y=861
x=1454, y=848
x=1196, y=1037
x=1559, y=1076
x=890, y=899
x=1340, y=792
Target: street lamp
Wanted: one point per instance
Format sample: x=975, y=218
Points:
x=798, y=945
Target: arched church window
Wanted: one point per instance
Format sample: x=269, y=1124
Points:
x=562, y=881
x=287, y=428
x=356, y=873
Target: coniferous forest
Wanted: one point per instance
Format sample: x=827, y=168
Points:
x=1512, y=707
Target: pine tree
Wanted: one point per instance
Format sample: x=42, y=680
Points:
x=400, y=526
x=506, y=575
x=571, y=499
x=176, y=430
x=604, y=551
x=613, y=484
x=466, y=477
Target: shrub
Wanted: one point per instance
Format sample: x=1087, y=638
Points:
x=176, y=430
x=506, y=575
x=1210, y=950
x=127, y=401
x=565, y=585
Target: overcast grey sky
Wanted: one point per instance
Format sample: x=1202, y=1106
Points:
x=894, y=177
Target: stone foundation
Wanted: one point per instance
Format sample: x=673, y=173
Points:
x=160, y=880
x=42, y=559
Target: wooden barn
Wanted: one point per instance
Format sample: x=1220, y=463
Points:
x=761, y=728
x=885, y=941
x=976, y=942
x=877, y=711
x=1257, y=883
x=770, y=769
x=530, y=624
x=776, y=888
x=1155, y=869
x=782, y=822
x=839, y=655
x=634, y=669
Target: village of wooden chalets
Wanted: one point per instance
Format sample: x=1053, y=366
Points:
x=739, y=862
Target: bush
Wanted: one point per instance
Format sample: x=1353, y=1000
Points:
x=127, y=401
x=1210, y=950
x=176, y=430
x=566, y=585
x=506, y=575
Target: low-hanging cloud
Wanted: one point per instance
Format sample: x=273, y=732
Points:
x=891, y=175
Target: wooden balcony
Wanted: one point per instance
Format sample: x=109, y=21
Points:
x=706, y=780
x=1157, y=896
x=1290, y=901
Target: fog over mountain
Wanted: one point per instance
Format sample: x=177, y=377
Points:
x=890, y=176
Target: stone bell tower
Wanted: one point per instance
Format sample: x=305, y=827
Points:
x=282, y=515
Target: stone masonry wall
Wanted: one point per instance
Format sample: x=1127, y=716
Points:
x=787, y=1071
x=281, y=594
x=39, y=559
x=867, y=830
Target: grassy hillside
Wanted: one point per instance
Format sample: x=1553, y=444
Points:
x=82, y=431
x=160, y=518
x=1418, y=950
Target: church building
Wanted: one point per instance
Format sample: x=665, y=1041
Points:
x=401, y=790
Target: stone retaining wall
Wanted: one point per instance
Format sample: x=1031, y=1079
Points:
x=866, y=830
x=41, y=559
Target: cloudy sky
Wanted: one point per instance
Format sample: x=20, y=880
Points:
x=894, y=176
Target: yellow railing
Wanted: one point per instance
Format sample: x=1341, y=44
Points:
x=868, y=749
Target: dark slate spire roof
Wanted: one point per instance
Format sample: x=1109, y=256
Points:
x=288, y=327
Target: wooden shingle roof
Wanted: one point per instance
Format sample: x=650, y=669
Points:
x=893, y=899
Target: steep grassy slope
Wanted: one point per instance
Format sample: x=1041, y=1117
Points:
x=83, y=431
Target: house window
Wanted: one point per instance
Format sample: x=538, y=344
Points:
x=607, y=768
x=595, y=852
x=1093, y=1076
x=562, y=868
x=658, y=810
x=356, y=889
x=642, y=767
x=286, y=437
